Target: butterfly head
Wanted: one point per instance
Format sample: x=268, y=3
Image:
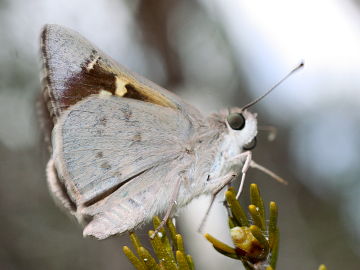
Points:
x=242, y=128
x=242, y=124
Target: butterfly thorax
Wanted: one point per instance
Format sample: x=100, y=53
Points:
x=217, y=147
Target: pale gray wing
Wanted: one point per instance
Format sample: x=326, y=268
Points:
x=136, y=202
x=103, y=142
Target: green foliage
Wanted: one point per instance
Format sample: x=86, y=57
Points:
x=255, y=241
x=168, y=247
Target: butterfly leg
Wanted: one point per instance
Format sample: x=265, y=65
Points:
x=225, y=180
x=254, y=165
x=246, y=158
x=170, y=207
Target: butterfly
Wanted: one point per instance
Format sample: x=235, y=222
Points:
x=123, y=149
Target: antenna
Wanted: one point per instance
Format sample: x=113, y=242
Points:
x=272, y=88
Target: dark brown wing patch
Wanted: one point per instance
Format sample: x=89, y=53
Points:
x=73, y=72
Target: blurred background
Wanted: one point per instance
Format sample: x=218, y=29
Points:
x=214, y=54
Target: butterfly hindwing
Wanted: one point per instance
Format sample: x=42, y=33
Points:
x=135, y=203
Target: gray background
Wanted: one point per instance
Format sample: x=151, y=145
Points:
x=214, y=54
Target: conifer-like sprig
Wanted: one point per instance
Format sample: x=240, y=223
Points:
x=255, y=241
x=168, y=247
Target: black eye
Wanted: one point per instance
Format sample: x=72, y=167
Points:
x=236, y=121
x=251, y=145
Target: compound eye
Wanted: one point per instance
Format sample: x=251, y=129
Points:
x=251, y=145
x=236, y=121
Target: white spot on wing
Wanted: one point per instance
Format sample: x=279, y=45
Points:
x=104, y=94
x=120, y=87
x=90, y=66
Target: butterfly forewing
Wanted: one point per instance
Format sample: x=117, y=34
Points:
x=103, y=142
x=74, y=69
